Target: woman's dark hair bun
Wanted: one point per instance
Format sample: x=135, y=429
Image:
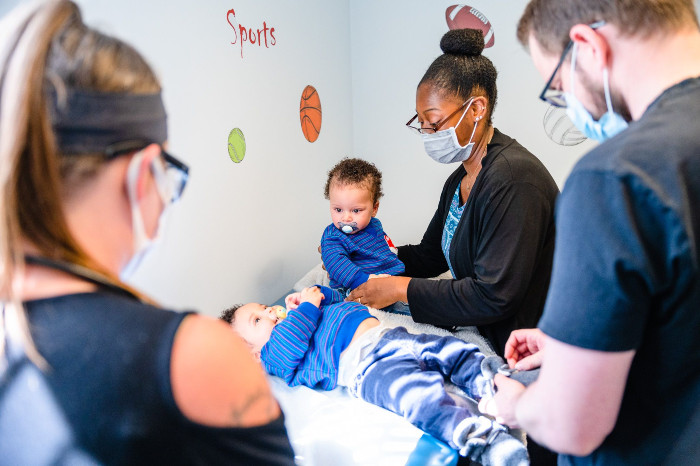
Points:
x=468, y=42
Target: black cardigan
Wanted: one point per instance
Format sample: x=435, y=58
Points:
x=501, y=251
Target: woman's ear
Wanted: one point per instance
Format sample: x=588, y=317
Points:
x=479, y=108
x=144, y=177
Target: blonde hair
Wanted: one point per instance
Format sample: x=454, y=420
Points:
x=45, y=44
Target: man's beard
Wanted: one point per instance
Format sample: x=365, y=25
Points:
x=596, y=93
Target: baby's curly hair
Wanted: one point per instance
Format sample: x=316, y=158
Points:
x=229, y=315
x=356, y=172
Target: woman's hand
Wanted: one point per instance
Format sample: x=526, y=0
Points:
x=381, y=292
x=523, y=349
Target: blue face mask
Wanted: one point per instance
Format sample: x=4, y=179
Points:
x=607, y=126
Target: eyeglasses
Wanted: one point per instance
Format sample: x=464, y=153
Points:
x=556, y=96
x=434, y=127
x=176, y=171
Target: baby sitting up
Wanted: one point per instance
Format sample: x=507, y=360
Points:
x=354, y=248
x=324, y=341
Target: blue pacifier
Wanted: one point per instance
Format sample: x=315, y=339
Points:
x=348, y=228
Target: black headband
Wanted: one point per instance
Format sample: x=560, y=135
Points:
x=89, y=122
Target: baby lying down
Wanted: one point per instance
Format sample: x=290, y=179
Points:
x=324, y=342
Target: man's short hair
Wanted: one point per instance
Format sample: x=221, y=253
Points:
x=550, y=21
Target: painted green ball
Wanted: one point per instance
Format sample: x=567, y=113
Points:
x=236, y=145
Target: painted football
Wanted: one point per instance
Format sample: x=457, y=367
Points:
x=467, y=17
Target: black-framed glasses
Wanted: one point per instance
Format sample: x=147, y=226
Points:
x=434, y=127
x=556, y=96
x=176, y=171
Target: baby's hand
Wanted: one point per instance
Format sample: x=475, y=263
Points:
x=311, y=295
x=292, y=301
x=378, y=275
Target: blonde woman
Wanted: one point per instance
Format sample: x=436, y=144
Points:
x=84, y=182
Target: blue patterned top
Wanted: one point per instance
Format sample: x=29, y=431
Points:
x=350, y=259
x=451, y=223
x=304, y=349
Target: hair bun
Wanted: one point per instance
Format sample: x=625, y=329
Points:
x=468, y=42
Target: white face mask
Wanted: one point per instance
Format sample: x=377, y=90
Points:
x=443, y=146
x=142, y=243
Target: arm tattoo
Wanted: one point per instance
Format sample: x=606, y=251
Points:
x=252, y=401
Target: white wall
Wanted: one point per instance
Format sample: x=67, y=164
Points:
x=247, y=231
x=393, y=43
x=242, y=231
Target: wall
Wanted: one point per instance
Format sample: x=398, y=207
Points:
x=247, y=231
x=242, y=231
x=393, y=43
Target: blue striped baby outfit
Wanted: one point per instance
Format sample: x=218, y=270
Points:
x=304, y=349
x=350, y=259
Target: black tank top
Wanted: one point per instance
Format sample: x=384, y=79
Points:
x=109, y=359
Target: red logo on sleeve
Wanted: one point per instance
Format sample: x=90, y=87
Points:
x=390, y=243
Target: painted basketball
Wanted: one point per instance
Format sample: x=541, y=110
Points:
x=310, y=113
x=467, y=17
x=236, y=145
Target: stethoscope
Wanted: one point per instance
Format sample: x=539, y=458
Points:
x=80, y=272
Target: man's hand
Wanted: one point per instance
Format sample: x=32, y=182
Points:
x=380, y=292
x=311, y=295
x=523, y=349
x=502, y=405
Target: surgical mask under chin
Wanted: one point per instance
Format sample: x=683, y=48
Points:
x=143, y=245
x=607, y=126
x=443, y=146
